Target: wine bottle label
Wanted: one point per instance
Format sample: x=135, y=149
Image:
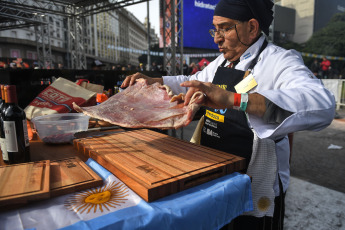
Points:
x=11, y=136
x=4, y=149
x=26, y=134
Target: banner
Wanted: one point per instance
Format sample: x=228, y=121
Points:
x=321, y=56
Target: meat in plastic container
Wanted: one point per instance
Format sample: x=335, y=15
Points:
x=60, y=128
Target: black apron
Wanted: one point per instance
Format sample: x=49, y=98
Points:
x=228, y=130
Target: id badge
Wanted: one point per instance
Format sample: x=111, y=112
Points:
x=246, y=84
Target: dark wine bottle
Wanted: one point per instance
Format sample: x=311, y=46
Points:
x=16, y=132
x=2, y=132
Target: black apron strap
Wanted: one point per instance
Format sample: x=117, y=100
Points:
x=223, y=63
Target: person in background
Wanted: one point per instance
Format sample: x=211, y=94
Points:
x=342, y=72
x=96, y=76
x=13, y=65
x=141, y=67
x=129, y=67
x=2, y=65
x=178, y=69
x=185, y=68
x=5, y=66
x=315, y=67
x=333, y=73
x=154, y=67
x=97, y=65
x=193, y=68
x=116, y=67
x=256, y=94
x=60, y=66
x=203, y=66
x=325, y=64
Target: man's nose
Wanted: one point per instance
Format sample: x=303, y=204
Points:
x=218, y=38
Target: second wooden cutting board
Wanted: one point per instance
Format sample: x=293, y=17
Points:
x=70, y=175
x=22, y=183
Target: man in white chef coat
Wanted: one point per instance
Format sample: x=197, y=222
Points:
x=256, y=93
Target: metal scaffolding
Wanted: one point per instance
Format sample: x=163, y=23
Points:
x=173, y=40
x=44, y=52
x=24, y=13
x=14, y=18
x=76, y=39
x=173, y=36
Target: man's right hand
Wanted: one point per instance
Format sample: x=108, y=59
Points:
x=131, y=79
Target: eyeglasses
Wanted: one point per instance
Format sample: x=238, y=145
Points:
x=221, y=32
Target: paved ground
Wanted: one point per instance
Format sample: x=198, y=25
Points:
x=313, y=207
x=312, y=160
x=315, y=199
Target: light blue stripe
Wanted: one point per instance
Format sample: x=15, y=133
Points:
x=102, y=172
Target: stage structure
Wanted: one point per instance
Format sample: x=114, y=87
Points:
x=172, y=36
x=25, y=13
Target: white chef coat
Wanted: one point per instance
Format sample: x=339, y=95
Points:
x=283, y=79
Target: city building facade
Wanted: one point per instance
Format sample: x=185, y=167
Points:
x=133, y=36
x=282, y=28
x=112, y=37
x=312, y=15
x=21, y=43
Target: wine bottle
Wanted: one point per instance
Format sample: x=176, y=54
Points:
x=16, y=132
x=2, y=132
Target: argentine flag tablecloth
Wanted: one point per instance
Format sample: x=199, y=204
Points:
x=115, y=206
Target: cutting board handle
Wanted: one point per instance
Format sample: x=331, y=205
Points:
x=202, y=178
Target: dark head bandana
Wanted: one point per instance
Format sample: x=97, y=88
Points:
x=244, y=10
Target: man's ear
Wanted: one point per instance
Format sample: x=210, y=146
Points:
x=254, y=27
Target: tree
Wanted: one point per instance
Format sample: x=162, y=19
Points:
x=330, y=39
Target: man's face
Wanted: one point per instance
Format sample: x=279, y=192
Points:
x=230, y=45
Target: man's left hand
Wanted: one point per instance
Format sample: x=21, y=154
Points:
x=216, y=97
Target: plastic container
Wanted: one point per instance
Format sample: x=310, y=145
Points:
x=60, y=128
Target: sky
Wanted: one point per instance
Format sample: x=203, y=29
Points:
x=140, y=12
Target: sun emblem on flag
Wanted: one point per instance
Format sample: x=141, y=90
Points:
x=106, y=197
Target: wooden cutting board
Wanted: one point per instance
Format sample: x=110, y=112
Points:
x=70, y=175
x=155, y=165
x=21, y=183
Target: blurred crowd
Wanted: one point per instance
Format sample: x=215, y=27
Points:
x=140, y=67
x=20, y=64
x=190, y=69
x=187, y=69
x=324, y=70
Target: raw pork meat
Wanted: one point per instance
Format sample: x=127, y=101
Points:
x=146, y=106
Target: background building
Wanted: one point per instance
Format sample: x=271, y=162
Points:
x=21, y=43
x=114, y=37
x=312, y=15
x=282, y=28
x=105, y=32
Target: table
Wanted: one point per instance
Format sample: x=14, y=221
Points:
x=115, y=206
